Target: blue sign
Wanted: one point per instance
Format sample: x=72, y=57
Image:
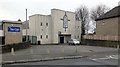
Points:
x=65, y=21
x=13, y=29
x=59, y=32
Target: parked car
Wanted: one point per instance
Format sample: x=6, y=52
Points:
x=73, y=42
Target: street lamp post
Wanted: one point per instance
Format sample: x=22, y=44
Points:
x=26, y=27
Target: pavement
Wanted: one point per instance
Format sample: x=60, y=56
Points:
x=56, y=52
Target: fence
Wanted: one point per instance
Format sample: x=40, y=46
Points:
x=96, y=37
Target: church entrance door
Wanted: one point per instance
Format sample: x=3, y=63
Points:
x=61, y=40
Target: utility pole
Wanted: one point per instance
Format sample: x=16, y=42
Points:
x=26, y=27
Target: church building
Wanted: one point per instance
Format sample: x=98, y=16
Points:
x=57, y=28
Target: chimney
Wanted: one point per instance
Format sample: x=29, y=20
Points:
x=19, y=20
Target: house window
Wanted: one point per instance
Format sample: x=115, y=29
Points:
x=46, y=24
x=103, y=22
x=41, y=24
x=47, y=36
x=41, y=36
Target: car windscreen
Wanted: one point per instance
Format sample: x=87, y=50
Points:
x=74, y=40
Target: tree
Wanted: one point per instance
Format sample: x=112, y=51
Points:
x=98, y=11
x=82, y=14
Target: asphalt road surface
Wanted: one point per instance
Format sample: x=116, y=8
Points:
x=95, y=59
x=96, y=55
x=82, y=61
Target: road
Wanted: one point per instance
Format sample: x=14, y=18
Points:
x=82, y=61
x=96, y=55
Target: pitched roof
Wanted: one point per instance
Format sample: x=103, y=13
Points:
x=115, y=12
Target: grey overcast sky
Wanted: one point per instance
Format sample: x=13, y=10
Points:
x=15, y=9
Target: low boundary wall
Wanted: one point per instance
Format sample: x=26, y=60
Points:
x=16, y=46
x=102, y=43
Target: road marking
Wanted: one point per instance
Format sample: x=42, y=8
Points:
x=94, y=59
x=113, y=57
x=104, y=58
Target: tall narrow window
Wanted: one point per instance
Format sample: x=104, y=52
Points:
x=46, y=24
x=75, y=37
x=47, y=36
x=78, y=36
x=41, y=24
x=103, y=22
x=41, y=36
x=1, y=26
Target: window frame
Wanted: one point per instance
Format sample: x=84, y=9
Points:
x=1, y=24
x=41, y=37
x=46, y=36
x=41, y=24
x=103, y=22
x=46, y=24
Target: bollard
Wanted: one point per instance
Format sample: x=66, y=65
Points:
x=63, y=48
x=12, y=52
x=31, y=50
x=117, y=46
x=48, y=50
x=76, y=49
x=114, y=46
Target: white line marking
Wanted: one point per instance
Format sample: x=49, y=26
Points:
x=104, y=58
x=94, y=59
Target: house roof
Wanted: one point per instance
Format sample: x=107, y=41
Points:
x=9, y=21
x=115, y=12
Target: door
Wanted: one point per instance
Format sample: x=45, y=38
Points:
x=61, y=40
x=38, y=42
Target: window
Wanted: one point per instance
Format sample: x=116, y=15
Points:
x=78, y=26
x=42, y=29
x=78, y=36
x=46, y=24
x=75, y=37
x=47, y=36
x=103, y=22
x=1, y=26
x=41, y=24
x=41, y=36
